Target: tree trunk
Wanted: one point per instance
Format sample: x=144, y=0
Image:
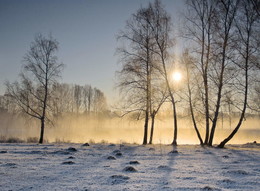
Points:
x=214, y=122
x=220, y=87
x=206, y=108
x=205, y=82
x=146, y=128
x=205, y=79
x=148, y=91
x=222, y=144
x=229, y=19
x=191, y=107
x=152, y=129
x=42, y=131
x=194, y=122
x=174, y=142
x=44, y=106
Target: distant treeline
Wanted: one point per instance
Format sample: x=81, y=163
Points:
x=66, y=98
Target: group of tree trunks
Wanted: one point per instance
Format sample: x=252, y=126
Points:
x=220, y=58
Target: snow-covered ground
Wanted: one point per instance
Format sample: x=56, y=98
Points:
x=128, y=167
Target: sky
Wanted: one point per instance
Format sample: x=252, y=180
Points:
x=85, y=29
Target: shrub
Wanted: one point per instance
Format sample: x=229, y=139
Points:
x=14, y=140
x=32, y=140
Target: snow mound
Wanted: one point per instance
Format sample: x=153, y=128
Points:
x=86, y=145
x=174, y=152
x=117, y=153
x=72, y=149
x=129, y=169
x=238, y=172
x=68, y=162
x=164, y=167
x=208, y=188
x=12, y=165
x=61, y=152
x=118, y=179
x=227, y=181
x=134, y=162
x=225, y=156
x=111, y=158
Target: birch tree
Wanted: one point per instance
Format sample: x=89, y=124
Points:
x=40, y=71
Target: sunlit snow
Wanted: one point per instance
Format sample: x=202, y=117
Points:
x=128, y=167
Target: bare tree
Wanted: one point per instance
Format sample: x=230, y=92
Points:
x=199, y=30
x=226, y=14
x=188, y=63
x=62, y=98
x=224, y=41
x=135, y=75
x=158, y=97
x=78, y=97
x=88, y=97
x=256, y=6
x=210, y=27
x=160, y=24
x=247, y=23
x=99, y=101
x=39, y=73
x=148, y=36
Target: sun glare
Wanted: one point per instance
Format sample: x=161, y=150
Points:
x=176, y=76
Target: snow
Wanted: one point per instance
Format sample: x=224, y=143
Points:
x=153, y=167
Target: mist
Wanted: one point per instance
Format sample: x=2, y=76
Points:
x=80, y=129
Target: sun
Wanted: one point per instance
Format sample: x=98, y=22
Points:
x=176, y=76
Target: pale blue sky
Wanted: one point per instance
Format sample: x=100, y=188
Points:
x=85, y=29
